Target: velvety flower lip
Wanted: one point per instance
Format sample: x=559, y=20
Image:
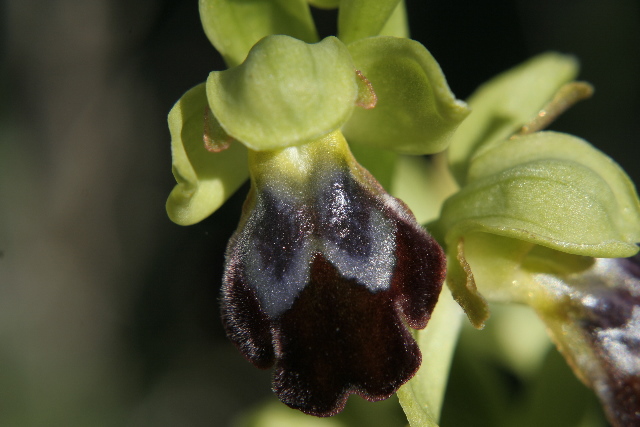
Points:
x=321, y=277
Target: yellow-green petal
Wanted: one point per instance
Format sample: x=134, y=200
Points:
x=286, y=93
x=205, y=179
x=233, y=27
x=416, y=111
x=504, y=104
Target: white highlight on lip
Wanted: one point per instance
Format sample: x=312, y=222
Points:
x=374, y=271
x=614, y=341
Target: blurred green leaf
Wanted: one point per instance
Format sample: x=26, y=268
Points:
x=554, y=397
x=423, y=184
x=276, y=414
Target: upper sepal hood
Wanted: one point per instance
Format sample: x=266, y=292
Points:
x=286, y=92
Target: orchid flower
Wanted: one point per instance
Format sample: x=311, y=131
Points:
x=325, y=266
x=535, y=219
x=327, y=269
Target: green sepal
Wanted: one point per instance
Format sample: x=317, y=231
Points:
x=550, y=189
x=358, y=19
x=416, y=112
x=286, y=93
x=506, y=103
x=205, y=180
x=233, y=27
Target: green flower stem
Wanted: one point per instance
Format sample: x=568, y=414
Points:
x=421, y=398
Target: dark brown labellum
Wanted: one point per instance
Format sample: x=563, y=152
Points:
x=320, y=283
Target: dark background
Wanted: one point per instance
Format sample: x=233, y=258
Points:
x=108, y=311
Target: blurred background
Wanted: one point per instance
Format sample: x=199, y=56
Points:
x=108, y=311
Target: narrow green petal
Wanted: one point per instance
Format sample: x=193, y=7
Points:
x=233, y=27
x=358, y=19
x=506, y=103
x=554, y=203
x=416, y=112
x=205, y=179
x=397, y=25
x=462, y=283
x=421, y=398
x=286, y=93
x=325, y=4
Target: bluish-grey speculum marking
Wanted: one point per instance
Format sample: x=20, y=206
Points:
x=355, y=235
x=278, y=252
x=336, y=218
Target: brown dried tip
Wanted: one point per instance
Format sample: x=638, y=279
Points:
x=214, y=137
x=367, y=97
